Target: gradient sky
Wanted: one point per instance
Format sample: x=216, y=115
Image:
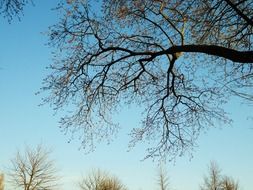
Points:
x=23, y=59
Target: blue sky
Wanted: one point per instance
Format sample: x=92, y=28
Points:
x=23, y=61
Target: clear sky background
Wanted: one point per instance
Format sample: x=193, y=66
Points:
x=23, y=61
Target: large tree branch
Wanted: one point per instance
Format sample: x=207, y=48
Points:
x=227, y=53
x=219, y=51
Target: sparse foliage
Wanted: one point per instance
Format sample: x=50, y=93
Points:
x=33, y=170
x=12, y=8
x=179, y=60
x=98, y=180
x=216, y=181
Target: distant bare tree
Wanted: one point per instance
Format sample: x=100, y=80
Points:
x=163, y=179
x=213, y=180
x=216, y=181
x=33, y=170
x=98, y=180
x=230, y=184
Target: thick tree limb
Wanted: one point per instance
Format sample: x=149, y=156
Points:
x=219, y=51
x=231, y=54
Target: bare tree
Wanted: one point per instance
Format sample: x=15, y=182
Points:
x=230, y=184
x=180, y=60
x=98, y=180
x=33, y=170
x=216, y=181
x=163, y=179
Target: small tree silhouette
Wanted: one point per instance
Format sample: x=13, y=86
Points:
x=33, y=170
x=216, y=181
x=98, y=180
x=163, y=179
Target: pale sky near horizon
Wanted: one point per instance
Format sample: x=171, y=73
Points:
x=23, y=61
